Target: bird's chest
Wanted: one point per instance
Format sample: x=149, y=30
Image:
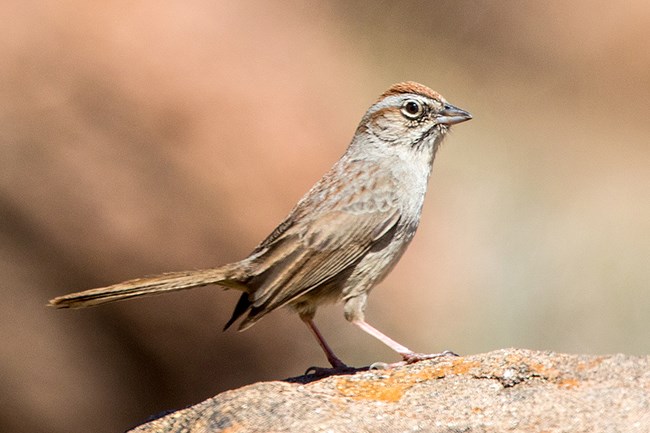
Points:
x=411, y=188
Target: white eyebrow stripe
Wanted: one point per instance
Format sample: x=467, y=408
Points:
x=396, y=100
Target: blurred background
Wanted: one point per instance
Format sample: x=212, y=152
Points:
x=143, y=137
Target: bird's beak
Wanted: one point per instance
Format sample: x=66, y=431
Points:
x=451, y=115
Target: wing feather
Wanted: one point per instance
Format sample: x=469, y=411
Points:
x=321, y=254
x=324, y=235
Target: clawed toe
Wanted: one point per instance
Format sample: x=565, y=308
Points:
x=407, y=358
x=379, y=365
x=410, y=358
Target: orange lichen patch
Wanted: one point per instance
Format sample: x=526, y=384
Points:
x=459, y=366
x=382, y=390
x=392, y=386
x=568, y=383
x=543, y=371
x=582, y=366
x=513, y=358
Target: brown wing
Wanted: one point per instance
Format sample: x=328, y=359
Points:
x=332, y=244
x=323, y=237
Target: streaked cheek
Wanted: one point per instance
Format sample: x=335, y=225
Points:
x=388, y=125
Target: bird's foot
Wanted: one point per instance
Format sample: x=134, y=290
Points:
x=411, y=358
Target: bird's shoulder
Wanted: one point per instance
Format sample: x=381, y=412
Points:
x=355, y=199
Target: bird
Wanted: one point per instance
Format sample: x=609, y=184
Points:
x=342, y=237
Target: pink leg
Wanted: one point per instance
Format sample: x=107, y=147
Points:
x=407, y=354
x=336, y=363
x=402, y=350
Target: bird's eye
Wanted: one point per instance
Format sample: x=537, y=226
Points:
x=412, y=109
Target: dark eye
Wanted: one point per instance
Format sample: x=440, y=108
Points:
x=412, y=109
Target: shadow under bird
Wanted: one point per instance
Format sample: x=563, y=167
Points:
x=343, y=237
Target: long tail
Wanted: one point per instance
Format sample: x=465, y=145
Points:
x=170, y=282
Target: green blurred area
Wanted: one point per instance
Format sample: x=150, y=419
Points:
x=143, y=137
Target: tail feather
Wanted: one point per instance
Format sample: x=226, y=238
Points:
x=170, y=282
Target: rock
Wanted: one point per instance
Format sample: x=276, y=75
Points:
x=503, y=391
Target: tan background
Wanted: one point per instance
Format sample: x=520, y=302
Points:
x=142, y=137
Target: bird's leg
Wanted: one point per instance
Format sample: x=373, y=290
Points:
x=407, y=354
x=402, y=350
x=336, y=363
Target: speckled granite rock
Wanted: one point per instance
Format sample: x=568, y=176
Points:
x=502, y=391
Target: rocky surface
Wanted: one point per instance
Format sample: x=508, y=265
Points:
x=502, y=391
